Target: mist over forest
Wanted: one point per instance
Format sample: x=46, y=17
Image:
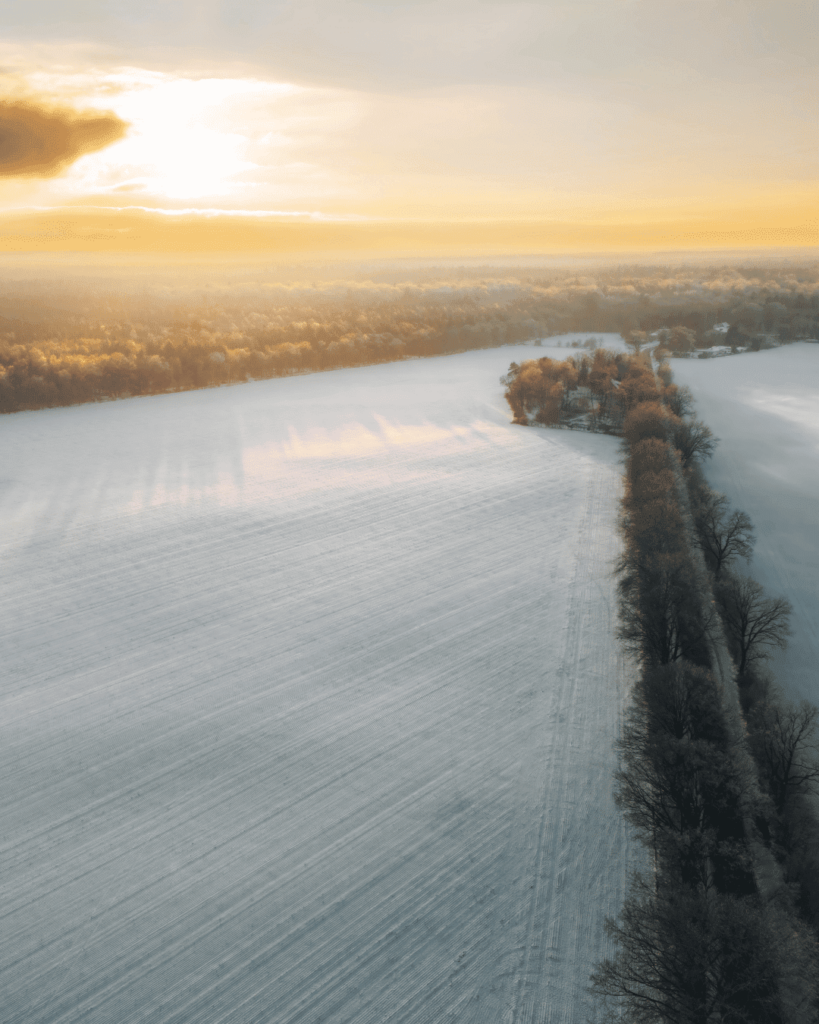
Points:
x=69, y=336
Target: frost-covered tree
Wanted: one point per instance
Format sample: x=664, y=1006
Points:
x=689, y=956
x=755, y=624
x=786, y=747
x=723, y=535
x=693, y=440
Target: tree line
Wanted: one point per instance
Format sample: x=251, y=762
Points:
x=64, y=341
x=783, y=737
x=700, y=939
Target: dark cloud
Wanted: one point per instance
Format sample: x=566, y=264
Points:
x=38, y=140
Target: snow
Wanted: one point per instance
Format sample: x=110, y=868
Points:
x=605, y=339
x=764, y=407
x=308, y=703
x=711, y=353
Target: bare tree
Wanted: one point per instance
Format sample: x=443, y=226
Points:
x=786, y=747
x=693, y=440
x=683, y=798
x=661, y=619
x=681, y=700
x=678, y=784
x=755, y=624
x=723, y=535
x=687, y=956
x=679, y=399
x=681, y=340
x=635, y=340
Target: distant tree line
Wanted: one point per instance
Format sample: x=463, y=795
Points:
x=697, y=940
x=64, y=341
x=74, y=364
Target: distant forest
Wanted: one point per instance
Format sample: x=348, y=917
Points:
x=69, y=340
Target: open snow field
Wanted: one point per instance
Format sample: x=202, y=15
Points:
x=605, y=339
x=309, y=690
x=764, y=407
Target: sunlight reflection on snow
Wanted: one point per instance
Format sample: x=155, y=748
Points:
x=351, y=455
x=278, y=446
x=355, y=441
x=794, y=408
x=351, y=441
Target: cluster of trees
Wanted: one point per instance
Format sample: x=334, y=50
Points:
x=696, y=941
x=590, y=392
x=65, y=340
x=683, y=341
x=600, y=392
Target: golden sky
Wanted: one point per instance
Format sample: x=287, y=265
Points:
x=474, y=125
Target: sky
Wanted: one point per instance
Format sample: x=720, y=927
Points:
x=473, y=125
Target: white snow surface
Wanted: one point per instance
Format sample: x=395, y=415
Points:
x=605, y=339
x=309, y=690
x=764, y=408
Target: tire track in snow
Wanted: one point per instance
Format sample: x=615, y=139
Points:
x=559, y=936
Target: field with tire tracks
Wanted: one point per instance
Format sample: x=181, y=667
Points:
x=308, y=701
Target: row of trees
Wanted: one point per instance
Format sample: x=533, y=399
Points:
x=682, y=341
x=696, y=941
x=783, y=737
x=662, y=619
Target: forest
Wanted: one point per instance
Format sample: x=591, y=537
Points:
x=66, y=339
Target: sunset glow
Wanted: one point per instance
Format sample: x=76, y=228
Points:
x=689, y=133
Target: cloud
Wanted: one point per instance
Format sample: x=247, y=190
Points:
x=40, y=140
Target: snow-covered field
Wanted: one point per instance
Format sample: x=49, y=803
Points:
x=764, y=407
x=309, y=690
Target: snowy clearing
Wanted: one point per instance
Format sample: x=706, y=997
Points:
x=605, y=339
x=764, y=407
x=308, y=702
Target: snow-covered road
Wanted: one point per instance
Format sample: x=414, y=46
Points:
x=764, y=407
x=308, y=700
